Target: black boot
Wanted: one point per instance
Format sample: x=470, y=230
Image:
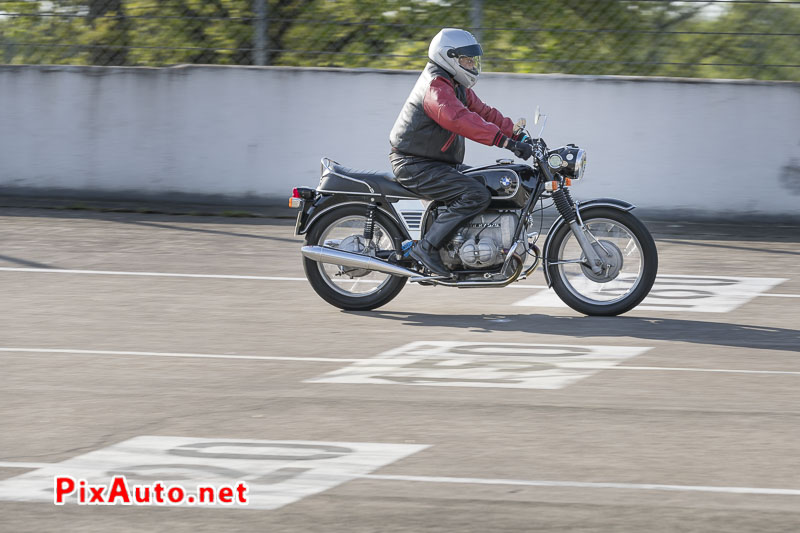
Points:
x=426, y=254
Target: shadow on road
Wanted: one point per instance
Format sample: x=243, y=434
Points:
x=661, y=329
x=760, y=249
x=176, y=227
x=24, y=262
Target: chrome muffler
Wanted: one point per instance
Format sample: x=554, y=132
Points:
x=323, y=254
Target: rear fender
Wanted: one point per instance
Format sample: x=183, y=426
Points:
x=310, y=214
x=612, y=203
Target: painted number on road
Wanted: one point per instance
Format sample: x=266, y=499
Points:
x=277, y=473
x=703, y=294
x=481, y=364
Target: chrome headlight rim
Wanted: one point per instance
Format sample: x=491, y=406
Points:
x=580, y=164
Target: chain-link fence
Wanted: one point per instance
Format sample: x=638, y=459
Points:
x=718, y=38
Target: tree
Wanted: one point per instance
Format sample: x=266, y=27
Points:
x=625, y=37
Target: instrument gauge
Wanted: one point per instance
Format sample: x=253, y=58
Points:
x=555, y=161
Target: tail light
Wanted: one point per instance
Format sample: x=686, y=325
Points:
x=299, y=194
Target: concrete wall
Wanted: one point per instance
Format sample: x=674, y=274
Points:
x=250, y=134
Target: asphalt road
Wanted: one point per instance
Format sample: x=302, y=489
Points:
x=188, y=350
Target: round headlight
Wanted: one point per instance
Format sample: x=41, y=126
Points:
x=580, y=164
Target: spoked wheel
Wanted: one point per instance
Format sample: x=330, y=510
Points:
x=354, y=289
x=628, y=250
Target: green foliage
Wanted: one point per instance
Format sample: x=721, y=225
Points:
x=623, y=37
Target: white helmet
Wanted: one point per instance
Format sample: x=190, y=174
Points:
x=458, y=52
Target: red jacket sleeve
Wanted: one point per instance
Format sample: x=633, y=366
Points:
x=489, y=113
x=443, y=106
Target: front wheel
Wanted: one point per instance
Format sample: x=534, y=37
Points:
x=630, y=263
x=353, y=289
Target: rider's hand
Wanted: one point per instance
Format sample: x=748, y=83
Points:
x=523, y=150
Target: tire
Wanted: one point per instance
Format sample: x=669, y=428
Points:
x=633, y=256
x=340, y=222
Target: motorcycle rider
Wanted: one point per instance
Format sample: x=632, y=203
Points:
x=428, y=139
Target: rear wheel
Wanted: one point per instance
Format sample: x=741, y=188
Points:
x=353, y=289
x=627, y=248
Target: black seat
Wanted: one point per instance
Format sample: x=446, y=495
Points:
x=383, y=182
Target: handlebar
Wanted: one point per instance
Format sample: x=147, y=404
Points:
x=540, y=149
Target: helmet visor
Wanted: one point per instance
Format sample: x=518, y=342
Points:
x=469, y=57
x=470, y=63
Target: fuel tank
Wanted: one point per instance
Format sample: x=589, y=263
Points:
x=510, y=185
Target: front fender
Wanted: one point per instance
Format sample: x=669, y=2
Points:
x=613, y=203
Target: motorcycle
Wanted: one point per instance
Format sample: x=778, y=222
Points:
x=598, y=257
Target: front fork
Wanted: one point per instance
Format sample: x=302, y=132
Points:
x=568, y=209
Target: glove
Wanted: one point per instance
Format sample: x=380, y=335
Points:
x=522, y=150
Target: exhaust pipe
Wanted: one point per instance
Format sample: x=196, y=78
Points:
x=323, y=254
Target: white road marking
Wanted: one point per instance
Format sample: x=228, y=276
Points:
x=526, y=286
x=586, y=485
x=167, y=354
x=688, y=369
x=277, y=473
x=11, y=464
x=682, y=293
x=571, y=365
x=527, y=483
x=280, y=278
x=482, y=364
x=153, y=274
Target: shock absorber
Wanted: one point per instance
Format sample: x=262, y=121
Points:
x=369, y=224
x=564, y=204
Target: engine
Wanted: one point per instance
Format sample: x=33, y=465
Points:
x=482, y=242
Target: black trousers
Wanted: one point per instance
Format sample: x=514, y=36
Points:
x=463, y=196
